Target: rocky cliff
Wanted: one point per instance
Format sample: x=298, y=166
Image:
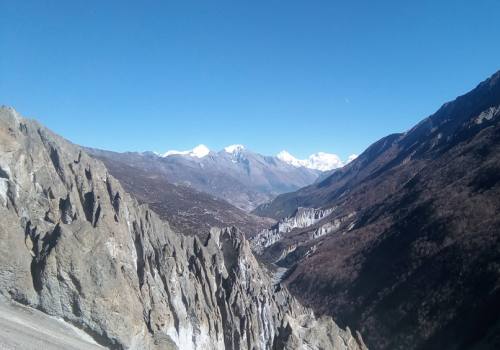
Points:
x=302, y=218
x=73, y=244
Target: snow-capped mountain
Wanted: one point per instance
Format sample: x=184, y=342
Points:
x=319, y=161
x=236, y=174
x=199, y=151
x=232, y=149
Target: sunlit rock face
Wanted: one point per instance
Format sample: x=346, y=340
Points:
x=302, y=218
x=75, y=245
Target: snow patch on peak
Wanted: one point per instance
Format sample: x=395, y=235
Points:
x=319, y=161
x=324, y=161
x=288, y=158
x=234, y=148
x=352, y=157
x=199, y=151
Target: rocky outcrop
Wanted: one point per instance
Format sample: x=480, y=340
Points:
x=73, y=244
x=295, y=238
x=332, y=226
x=302, y=218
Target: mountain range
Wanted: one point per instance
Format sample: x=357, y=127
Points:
x=186, y=209
x=318, y=161
x=133, y=250
x=239, y=176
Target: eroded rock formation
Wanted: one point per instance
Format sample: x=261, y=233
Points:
x=75, y=245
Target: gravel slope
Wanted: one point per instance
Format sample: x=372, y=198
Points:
x=26, y=328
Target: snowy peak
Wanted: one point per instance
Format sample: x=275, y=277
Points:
x=324, y=161
x=288, y=158
x=352, y=157
x=232, y=149
x=199, y=151
x=319, y=161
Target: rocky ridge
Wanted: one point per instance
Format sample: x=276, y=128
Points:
x=75, y=245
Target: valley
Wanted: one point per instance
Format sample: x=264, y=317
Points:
x=401, y=243
x=249, y=175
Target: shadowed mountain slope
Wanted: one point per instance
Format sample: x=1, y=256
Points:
x=410, y=251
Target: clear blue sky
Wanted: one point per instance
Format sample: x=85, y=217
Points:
x=304, y=76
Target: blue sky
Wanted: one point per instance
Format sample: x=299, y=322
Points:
x=304, y=76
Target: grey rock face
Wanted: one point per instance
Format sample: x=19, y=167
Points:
x=75, y=245
x=302, y=218
x=295, y=238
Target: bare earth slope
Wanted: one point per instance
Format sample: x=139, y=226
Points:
x=29, y=329
x=410, y=251
x=186, y=209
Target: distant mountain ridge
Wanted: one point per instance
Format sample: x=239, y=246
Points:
x=241, y=177
x=321, y=161
x=187, y=210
